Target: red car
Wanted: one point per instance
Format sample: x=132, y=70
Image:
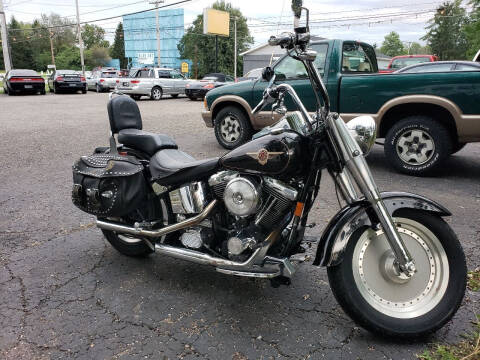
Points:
x=401, y=61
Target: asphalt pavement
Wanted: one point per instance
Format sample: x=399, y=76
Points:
x=65, y=293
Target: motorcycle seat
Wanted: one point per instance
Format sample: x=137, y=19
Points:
x=174, y=167
x=145, y=141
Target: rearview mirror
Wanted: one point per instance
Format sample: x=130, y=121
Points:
x=267, y=73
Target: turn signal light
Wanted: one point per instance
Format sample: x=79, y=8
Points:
x=209, y=86
x=102, y=80
x=59, y=78
x=135, y=81
x=82, y=78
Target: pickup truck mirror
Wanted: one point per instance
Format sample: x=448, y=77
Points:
x=267, y=73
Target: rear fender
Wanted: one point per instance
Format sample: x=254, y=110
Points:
x=354, y=216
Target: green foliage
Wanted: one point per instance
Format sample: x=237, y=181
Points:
x=392, y=46
x=68, y=58
x=473, y=279
x=467, y=349
x=117, y=51
x=445, y=33
x=93, y=36
x=21, y=52
x=417, y=49
x=472, y=30
x=97, y=56
x=200, y=48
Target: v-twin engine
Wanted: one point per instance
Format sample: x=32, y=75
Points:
x=265, y=199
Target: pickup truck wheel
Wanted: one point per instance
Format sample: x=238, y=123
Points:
x=156, y=93
x=417, y=145
x=232, y=128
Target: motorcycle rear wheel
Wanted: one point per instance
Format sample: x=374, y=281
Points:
x=132, y=246
x=370, y=290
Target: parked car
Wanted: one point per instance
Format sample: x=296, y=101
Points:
x=440, y=66
x=251, y=75
x=399, y=62
x=67, y=81
x=153, y=82
x=198, y=89
x=424, y=117
x=102, y=80
x=24, y=81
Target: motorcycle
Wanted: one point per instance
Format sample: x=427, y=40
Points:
x=394, y=265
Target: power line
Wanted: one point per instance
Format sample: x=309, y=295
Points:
x=107, y=18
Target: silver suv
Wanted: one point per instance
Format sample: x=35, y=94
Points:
x=102, y=80
x=153, y=82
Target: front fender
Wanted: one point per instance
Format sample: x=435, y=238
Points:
x=349, y=219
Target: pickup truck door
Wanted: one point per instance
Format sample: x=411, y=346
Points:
x=291, y=71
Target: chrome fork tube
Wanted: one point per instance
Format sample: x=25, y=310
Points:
x=359, y=170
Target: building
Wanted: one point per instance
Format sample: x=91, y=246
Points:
x=263, y=55
x=140, y=38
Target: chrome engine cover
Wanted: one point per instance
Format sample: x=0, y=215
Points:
x=242, y=196
x=189, y=199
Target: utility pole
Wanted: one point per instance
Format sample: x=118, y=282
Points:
x=156, y=2
x=216, y=53
x=80, y=40
x=51, y=47
x=235, y=48
x=5, y=45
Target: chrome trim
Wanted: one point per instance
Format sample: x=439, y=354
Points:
x=363, y=130
x=222, y=177
x=286, y=191
x=123, y=229
x=360, y=171
x=188, y=199
x=234, y=197
x=344, y=182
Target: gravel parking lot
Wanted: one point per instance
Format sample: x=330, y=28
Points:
x=65, y=293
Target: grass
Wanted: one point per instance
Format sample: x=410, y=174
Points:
x=468, y=349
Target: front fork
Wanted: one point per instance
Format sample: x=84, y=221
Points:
x=357, y=168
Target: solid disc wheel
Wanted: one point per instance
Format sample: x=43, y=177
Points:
x=156, y=93
x=369, y=287
x=232, y=128
x=417, y=145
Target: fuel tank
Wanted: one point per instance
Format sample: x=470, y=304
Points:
x=272, y=154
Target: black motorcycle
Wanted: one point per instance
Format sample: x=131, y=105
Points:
x=394, y=265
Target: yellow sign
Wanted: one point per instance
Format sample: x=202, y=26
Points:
x=184, y=67
x=216, y=22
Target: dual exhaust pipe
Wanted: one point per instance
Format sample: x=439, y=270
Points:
x=245, y=268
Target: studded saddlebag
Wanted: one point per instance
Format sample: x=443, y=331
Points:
x=108, y=185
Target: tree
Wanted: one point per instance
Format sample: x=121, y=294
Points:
x=21, y=52
x=93, y=35
x=97, y=56
x=117, y=51
x=200, y=48
x=472, y=30
x=392, y=46
x=416, y=49
x=445, y=34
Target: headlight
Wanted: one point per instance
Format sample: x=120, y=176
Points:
x=363, y=130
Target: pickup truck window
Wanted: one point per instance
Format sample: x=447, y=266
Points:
x=356, y=58
x=430, y=68
x=465, y=67
x=294, y=69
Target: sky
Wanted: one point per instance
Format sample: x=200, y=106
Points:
x=365, y=20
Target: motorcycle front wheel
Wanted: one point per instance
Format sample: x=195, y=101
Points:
x=371, y=291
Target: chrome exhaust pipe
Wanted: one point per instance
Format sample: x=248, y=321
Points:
x=137, y=231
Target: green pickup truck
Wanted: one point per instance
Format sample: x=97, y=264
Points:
x=423, y=117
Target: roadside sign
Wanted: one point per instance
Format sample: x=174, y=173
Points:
x=50, y=66
x=146, y=58
x=184, y=67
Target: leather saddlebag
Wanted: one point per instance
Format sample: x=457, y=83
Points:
x=108, y=185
